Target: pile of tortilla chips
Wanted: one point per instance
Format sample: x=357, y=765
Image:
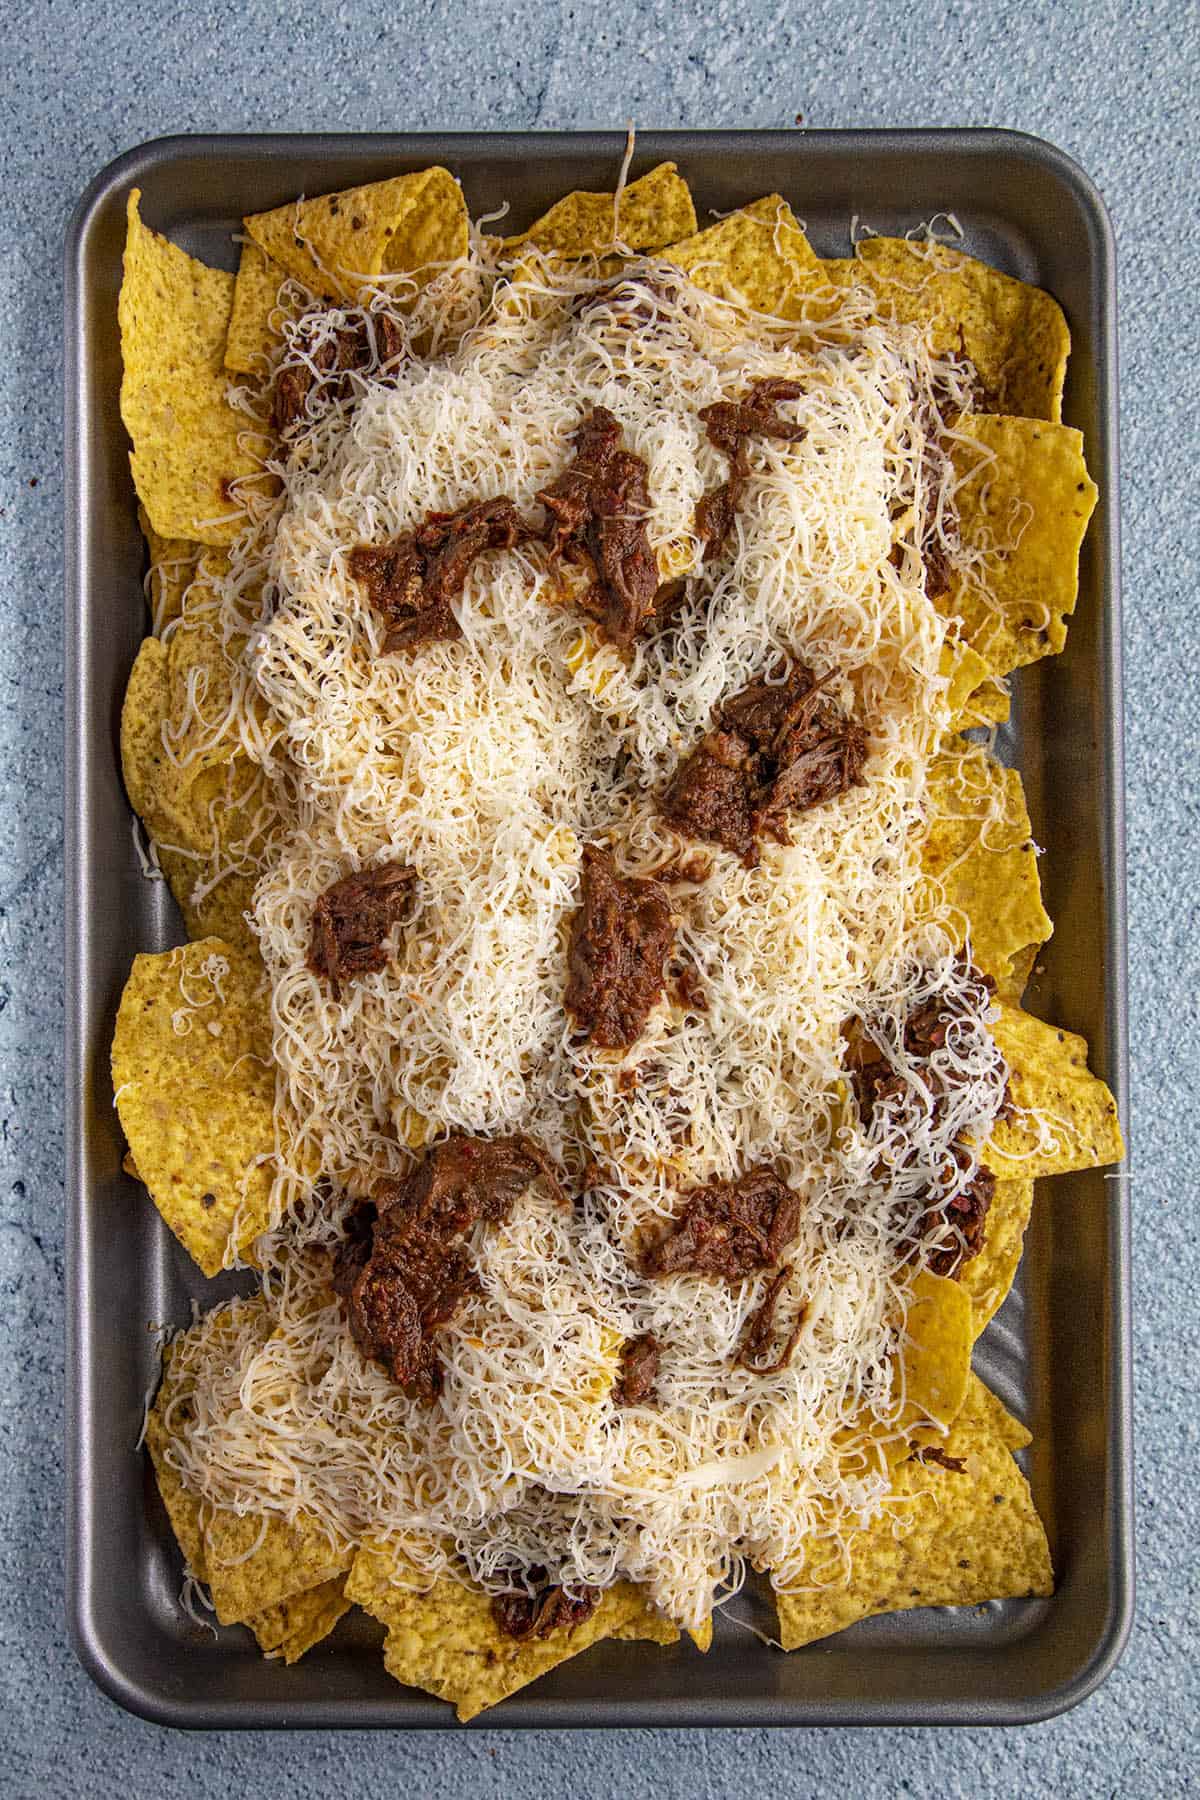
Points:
x=191, y=1059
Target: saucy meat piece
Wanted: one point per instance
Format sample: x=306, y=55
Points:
x=620, y=938
x=412, y=581
x=780, y=746
x=758, y=1338
x=729, y=424
x=353, y=919
x=338, y=354
x=598, y=510
x=522, y=1616
x=729, y=1228
x=634, y=302
x=968, y=1210
x=634, y=1385
x=403, y=1270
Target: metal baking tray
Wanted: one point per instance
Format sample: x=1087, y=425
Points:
x=1059, y=1351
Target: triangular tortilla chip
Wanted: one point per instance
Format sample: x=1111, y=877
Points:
x=656, y=209
x=291, y=1628
x=339, y=244
x=987, y=1278
x=979, y=856
x=1074, y=1122
x=974, y=695
x=1025, y=506
x=255, y=322
x=1015, y=334
x=172, y=566
x=255, y=1561
x=758, y=256
x=447, y=1640
x=936, y=1352
x=195, y=1089
x=189, y=443
x=950, y=1537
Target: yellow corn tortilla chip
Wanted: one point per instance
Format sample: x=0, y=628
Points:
x=974, y=695
x=1023, y=965
x=987, y=1278
x=172, y=566
x=255, y=1561
x=255, y=320
x=339, y=244
x=195, y=1088
x=447, y=1641
x=189, y=444
x=702, y=1636
x=1024, y=502
x=218, y=806
x=656, y=209
x=1049, y=1078
x=758, y=256
x=980, y=858
x=935, y=1355
x=170, y=1414
x=1015, y=334
x=291, y=1628
x=950, y=1537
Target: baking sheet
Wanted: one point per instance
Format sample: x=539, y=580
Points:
x=1058, y=1353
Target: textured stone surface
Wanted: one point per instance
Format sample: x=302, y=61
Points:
x=1114, y=86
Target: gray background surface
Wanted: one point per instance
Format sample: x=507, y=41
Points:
x=1112, y=85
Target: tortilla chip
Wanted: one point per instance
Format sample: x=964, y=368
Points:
x=980, y=858
x=1015, y=334
x=198, y=1104
x=172, y=566
x=655, y=210
x=973, y=694
x=758, y=256
x=339, y=244
x=447, y=1641
x=936, y=1353
x=987, y=1278
x=702, y=1636
x=289, y=1559
x=292, y=1627
x=950, y=1537
x=255, y=320
x=1023, y=965
x=189, y=444
x=1049, y=1078
x=1026, y=508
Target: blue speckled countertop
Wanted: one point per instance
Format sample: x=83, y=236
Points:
x=1113, y=85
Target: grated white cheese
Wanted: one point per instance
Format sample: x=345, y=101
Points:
x=486, y=764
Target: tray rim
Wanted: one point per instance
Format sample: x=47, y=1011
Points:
x=104, y=1670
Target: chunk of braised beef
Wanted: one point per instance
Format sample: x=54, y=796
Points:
x=638, y=1373
x=633, y=302
x=930, y=1453
x=413, y=581
x=353, y=919
x=403, y=1269
x=758, y=1339
x=729, y=424
x=599, y=507
x=620, y=937
x=967, y=1209
x=780, y=746
x=376, y=338
x=551, y=1608
x=729, y=1228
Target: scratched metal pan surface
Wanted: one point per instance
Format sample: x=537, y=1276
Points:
x=1058, y=1353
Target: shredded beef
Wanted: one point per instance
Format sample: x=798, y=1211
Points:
x=634, y=1385
x=353, y=919
x=522, y=1616
x=780, y=746
x=599, y=507
x=635, y=303
x=339, y=354
x=931, y=1454
x=729, y=424
x=620, y=937
x=403, y=1269
x=413, y=581
x=729, y=1228
x=875, y=1081
x=759, y=1335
